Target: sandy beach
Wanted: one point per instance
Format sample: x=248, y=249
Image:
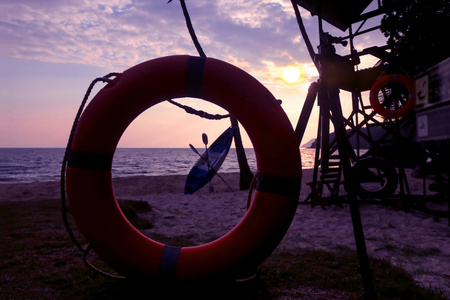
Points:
x=412, y=240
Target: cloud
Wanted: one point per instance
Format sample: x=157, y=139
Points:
x=118, y=34
x=82, y=31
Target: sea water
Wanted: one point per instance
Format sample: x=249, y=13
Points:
x=45, y=164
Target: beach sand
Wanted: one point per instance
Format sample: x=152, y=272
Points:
x=412, y=240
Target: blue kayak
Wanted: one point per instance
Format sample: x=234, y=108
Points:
x=201, y=173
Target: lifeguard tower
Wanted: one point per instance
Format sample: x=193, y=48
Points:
x=371, y=138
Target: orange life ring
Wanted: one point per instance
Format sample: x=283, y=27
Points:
x=88, y=174
x=382, y=82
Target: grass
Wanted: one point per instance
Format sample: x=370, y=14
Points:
x=39, y=261
x=338, y=271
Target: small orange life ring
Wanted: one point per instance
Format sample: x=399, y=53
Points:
x=88, y=174
x=382, y=82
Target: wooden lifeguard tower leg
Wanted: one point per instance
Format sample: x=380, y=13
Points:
x=345, y=151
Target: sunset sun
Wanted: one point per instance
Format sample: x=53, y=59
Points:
x=291, y=74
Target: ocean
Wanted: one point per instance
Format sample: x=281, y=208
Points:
x=44, y=164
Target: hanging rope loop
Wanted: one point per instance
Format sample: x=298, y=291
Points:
x=94, y=268
x=85, y=251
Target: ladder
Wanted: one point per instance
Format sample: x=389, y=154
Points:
x=330, y=178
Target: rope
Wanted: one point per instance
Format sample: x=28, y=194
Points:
x=200, y=51
x=191, y=28
x=199, y=113
x=94, y=268
x=106, y=79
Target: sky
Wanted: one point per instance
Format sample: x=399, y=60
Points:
x=50, y=51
